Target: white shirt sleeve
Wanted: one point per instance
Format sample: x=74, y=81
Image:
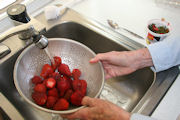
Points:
x=136, y=116
x=165, y=54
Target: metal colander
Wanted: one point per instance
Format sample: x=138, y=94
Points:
x=72, y=53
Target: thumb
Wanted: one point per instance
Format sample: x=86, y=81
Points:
x=87, y=101
x=94, y=60
x=98, y=57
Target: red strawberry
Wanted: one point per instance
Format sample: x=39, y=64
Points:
x=53, y=65
x=46, y=71
x=55, y=75
x=76, y=73
x=53, y=92
x=57, y=60
x=36, y=80
x=68, y=94
x=50, y=83
x=70, y=81
x=66, y=78
x=84, y=84
x=44, y=81
x=77, y=85
x=64, y=69
x=40, y=88
x=63, y=85
x=80, y=85
x=76, y=98
x=51, y=100
x=39, y=98
x=61, y=104
x=83, y=87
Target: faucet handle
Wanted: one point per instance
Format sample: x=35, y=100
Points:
x=18, y=13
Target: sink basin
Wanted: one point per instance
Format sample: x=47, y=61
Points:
x=139, y=92
x=129, y=89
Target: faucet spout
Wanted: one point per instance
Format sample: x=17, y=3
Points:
x=40, y=40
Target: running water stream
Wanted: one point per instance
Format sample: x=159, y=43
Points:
x=54, y=116
x=49, y=55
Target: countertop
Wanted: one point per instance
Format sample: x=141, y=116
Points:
x=131, y=14
x=134, y=15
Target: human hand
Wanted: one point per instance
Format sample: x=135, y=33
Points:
x=123, y=63
x=115, y=63
x=98, y=109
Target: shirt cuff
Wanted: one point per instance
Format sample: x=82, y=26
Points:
x=161, y=56
x=136, y=116
x=165, y=54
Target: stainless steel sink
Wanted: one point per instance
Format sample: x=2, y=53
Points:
x=131, y=88
x=139, y=92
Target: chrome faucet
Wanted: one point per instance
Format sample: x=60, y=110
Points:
x=26, y=28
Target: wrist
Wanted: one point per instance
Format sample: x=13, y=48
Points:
x=143, y=58
x=124, y=116
x=127, y=116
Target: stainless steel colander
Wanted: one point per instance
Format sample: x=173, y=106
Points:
x=73, y=53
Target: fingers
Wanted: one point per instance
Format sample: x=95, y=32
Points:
x=98, y=57
x=105, y=64
x=87, y=101
x=80, y=114
x=84, y=113
x=94, y=60
x=108, y=76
